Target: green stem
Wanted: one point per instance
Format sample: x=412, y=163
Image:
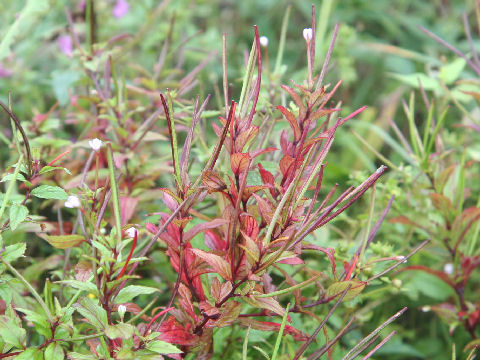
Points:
x=115, y=197
x=9, y=191
x=280, y=333
x=281, y=45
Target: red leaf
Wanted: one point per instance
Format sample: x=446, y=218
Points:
x=170, y=201
x=297, y=133
x=172, y=332
x=213, y=181
x=83, y=270
x=239, y=162
x=286, y=164
x=291, y=261
x=298, y=101
x=250, y=226
x=127, y=208
x=214, y=241
x=266, y=210
x=190, y=234
x=219, y=264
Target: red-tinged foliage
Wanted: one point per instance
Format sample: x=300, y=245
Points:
x=173, y=332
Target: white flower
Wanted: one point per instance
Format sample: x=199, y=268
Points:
x=263, y=41
x=95, y=144
x=308, y=34
x=72, y=202
x=448, y=268
x=131, y=232
x=122, y=309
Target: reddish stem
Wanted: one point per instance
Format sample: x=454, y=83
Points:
x=134, y=244
x=58, y=158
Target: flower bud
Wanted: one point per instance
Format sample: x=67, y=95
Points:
x=131, y=232
x=308, y=34
x=122, y=309
x=448, y=269
x=263, y=41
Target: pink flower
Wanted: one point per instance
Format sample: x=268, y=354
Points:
x=5, y=72
x=121, y=8
x=66, y=45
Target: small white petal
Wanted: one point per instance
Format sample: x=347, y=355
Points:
x=122, y=309
x=308, y=34
x=131, y=232
x=72, y=202
x=95, y=144
x=448, y=269
x=263, y=41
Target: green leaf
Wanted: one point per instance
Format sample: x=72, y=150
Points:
x=47, y=169
x=61, y=82
x=63, y=241
x=50, y=192
x=336, y=289
x=81, y=285
x=129, y=292
x=9, y=177
x=31, y=354
x=40, y=321
x=13, y=252
x=95, y=315
x=450, y=72
x=54, y=352
x=18, y=213
x=121, y=330
x=11, y=333
x=265, y=303
x=413, y=80
x=162, y=347
x=78, y=356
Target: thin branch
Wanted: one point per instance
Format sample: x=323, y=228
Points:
x=305, y=345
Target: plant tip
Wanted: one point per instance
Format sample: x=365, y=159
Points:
x=263, y=41
x=72, y=202
x=95, y=144
x=308, y=34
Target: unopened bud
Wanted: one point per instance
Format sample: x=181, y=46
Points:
x=308, y=34
x=263, y=41
x=448, y=269
x=131, y=232
x=122, y=309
